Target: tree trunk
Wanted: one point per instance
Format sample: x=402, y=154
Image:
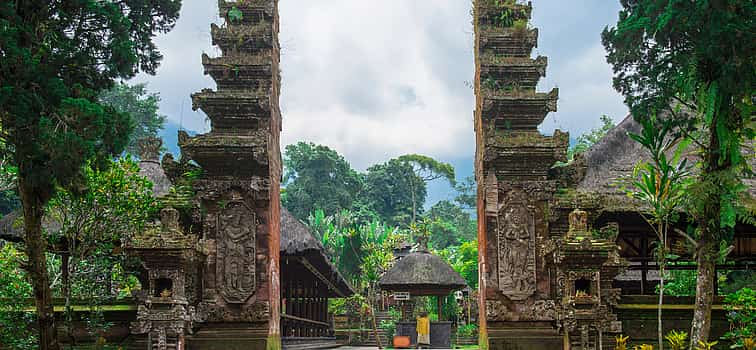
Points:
x=704, y=291
x=710, y=224
x=34, y=209
x=660, y=329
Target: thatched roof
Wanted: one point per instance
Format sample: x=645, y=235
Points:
x=611, y=158
x=152, y=170
x=422, y=273
x=12, y=226
x=297, y=241
x=616, y=155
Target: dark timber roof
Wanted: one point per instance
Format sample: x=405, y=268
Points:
x=422, y=273
x=298, y=242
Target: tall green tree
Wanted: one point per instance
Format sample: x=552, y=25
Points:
x=56, y=57
x=696, y=57
x=391, y=189
x=141, y=105
x=450, y=225
x=426, y=169
x=115, y=204
x=317, y=177
x=467, y=193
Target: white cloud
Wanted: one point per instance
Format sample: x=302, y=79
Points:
x=376, y=79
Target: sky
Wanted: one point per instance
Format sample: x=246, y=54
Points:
x=378, y=79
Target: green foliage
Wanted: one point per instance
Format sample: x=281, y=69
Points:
x=317, y=177
x=741, y=312
x=390, y=191
x=467, y=193
x=680, y=283
x=142, y=106
x=15, y=332
x=706, y=345
x=56, y=59
x=115, y=203
x=235, y=15
x=590, y=138
x=694, y=61
x=450, y=225
x=362, y=251
x=677, y=339
x=468, y=330
x=464, y=260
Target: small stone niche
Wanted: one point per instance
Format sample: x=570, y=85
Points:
x=163, y=288
x=582, y=287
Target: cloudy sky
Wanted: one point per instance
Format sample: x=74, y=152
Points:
x=378, y=79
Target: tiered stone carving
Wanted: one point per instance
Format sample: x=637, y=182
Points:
x=586, y=267
x=235, y=210
x=169, y=256
x=513, y=162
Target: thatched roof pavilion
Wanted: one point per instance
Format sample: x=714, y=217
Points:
x=422, y=273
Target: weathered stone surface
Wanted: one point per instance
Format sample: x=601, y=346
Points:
x=235, y=207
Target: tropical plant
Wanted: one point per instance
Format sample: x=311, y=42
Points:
x=749, y=343
x=694, y=59
x=677, y=339
x=15, y=332
x=57, y=57
x=741, y=313
x=114, y=204
x=643, y=347
x=590, y=138
x=660, y=185
x=468, y=330
x=393, y=191
x=450, y=225
x=706, y=345
x=620, y=342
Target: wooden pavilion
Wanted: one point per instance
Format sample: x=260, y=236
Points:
x=308, y=280
x=423, y=274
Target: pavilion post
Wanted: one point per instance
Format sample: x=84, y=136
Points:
x=440, y=306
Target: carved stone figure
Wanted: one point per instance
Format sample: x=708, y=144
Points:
x=517, y=250
x=236, y=250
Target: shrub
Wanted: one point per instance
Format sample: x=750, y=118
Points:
x=621, y=342
x=677, y=339
x=741, y=312
x=468, y=330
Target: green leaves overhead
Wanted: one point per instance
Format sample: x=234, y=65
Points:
x=142, y=107
x=317, y=177
x=235, y=15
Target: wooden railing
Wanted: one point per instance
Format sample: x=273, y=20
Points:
x=301, y=327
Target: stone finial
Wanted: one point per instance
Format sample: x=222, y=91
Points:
x=149, y=148
x=578, y=221
x=169, y=218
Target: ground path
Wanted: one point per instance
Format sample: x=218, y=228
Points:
x=369, y=348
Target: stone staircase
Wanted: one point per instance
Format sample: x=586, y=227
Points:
x=371, y=341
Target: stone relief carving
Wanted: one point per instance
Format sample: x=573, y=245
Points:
x=540, y=310
x=516, y=245
x=236, y=251
x=212, y=312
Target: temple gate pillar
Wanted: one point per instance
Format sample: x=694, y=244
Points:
x=237, y=200
x=513, y=163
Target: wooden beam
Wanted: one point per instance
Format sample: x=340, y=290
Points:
x=306, y=263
